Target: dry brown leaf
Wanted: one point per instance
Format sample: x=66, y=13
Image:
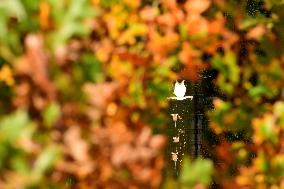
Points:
x=100, y=94
x=75, y=145
x=37, y=61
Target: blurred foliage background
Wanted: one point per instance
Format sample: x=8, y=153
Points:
x=83, y=87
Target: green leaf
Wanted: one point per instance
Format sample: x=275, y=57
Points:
x=20, y=164
x=13, y=8
x=92, y=68
x=229, y=69
x=70, y=20
x=51, y=114
x=199, y=171
x=267, y=129
x=183, y=32
x=14, y=125
x=45, y=161
x=251, y=21
x=8, y=9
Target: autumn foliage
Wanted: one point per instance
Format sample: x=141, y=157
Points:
x=84, y=87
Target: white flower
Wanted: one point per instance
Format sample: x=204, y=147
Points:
x=180, y=90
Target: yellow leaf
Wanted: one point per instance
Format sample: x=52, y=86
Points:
x=6, y=75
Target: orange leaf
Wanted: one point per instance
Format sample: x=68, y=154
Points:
x=197, y=6
x=44, y=12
